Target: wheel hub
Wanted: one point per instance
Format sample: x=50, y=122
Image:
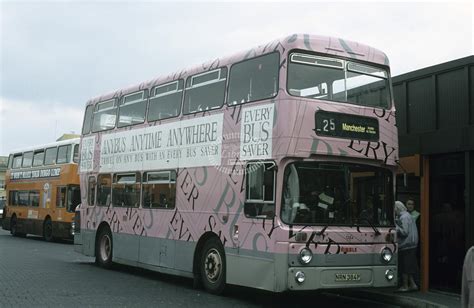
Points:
x=213, y=265
x=105, y=248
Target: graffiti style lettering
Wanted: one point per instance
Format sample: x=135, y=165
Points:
x=273, y=227
x=292, y=234
x=212, y=224
x=370, y=150
x=148, y=213
x=212, y=65
x=189, y=189
x=387, y=116
x=311, y=240
x=204, y=176
x=177, y=223
x=315, y=145
x=234, y=116
x=115, y=223
x=255, y=242
x=234, y=221
x=138, y=227
x=331, y=243
x=387, y=154
x=250, y=54
x=235, y=171
x=374, y=149
x=222, y=201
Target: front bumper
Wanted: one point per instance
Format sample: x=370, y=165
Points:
x=341, y=277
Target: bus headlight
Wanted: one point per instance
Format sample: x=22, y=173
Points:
x=305, y=255
x=300, y=277
x=389, y=274
x=386, y=255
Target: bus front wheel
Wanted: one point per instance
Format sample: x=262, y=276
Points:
x=213, y=266
x=103, y=248
x=48, y=230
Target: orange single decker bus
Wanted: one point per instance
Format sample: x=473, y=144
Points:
x=42, y=186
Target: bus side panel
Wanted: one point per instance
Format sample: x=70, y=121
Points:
x=251, y=268
x=125, y=246
x=84, y=242
x=149, y=251
x=184, y=255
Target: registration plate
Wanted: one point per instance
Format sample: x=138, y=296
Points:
x=347, y=277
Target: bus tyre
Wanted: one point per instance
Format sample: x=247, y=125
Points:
x=213, y=266
x=48, y=230
x=103, y=248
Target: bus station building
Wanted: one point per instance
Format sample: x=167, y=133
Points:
x=435, y=120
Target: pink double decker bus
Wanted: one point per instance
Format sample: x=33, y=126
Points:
x=271, y=169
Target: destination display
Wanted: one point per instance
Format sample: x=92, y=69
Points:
x=348, y=126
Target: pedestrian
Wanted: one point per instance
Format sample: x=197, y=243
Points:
x=411, y=209
x=407, y=236
x=416, y=217
x=467, y=291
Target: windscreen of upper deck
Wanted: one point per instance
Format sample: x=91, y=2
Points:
x=338, y=80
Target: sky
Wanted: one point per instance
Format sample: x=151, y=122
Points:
x=55, y=55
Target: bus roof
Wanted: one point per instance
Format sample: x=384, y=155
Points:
x=47, y=145
x=316, y=43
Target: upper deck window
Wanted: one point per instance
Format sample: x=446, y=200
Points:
x=253, y=79
x=10, y=161
x=75, y=155
x=165, y=101
x=27, y=159
x=86, y=126
x=338, y=80
x=50, y=156
x=17, y=159
x=38, y=158
x=132, y=109
x=64, y=154
x=105, y=114
x=205, y=91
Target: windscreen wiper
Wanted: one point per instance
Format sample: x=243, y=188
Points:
x=377, y=232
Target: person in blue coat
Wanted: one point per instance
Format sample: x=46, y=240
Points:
x=407, y=238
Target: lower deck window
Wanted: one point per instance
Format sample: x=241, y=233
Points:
x=91, y=191
x=260, y=190
x=159, y=189
x=126, y=190
x=68, y=197
x=24, y=198
x=104, y=189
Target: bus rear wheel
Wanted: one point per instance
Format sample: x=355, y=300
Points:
x=103, y=248
x=213, y=266
x=48, y=230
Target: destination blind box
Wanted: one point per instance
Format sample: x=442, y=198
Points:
x=348, y=126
